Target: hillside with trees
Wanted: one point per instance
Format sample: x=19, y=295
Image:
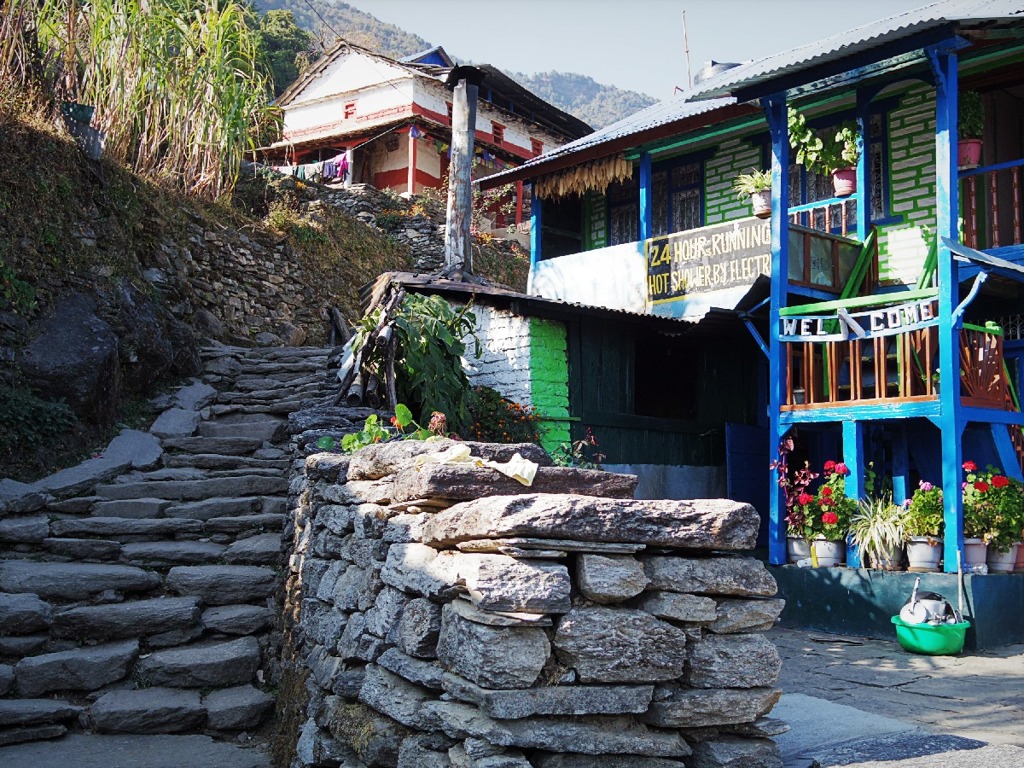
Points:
x=594, y=103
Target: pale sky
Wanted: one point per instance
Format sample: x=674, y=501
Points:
x=632, y=44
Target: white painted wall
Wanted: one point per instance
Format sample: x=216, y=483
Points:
x=375, y=106
x=504, y=363
x=614, y=277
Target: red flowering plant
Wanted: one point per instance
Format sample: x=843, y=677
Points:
x=794, y=485
x=993, y=506
x=832, y=510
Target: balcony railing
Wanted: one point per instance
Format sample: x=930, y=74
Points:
x=890, y=365
x=836, y=214
x=991, y=201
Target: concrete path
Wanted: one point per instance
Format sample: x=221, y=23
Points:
x=867, y=703
x=82, y=750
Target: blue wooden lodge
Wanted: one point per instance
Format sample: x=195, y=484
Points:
x=885, y=326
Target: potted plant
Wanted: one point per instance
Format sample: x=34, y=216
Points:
x=794, y=485
x=970, y=128
x=836, y=155
x=923, y=526
x=993, y=513
x=977, y=514
x=757, y=185
x=828, y=517
x=877, y=528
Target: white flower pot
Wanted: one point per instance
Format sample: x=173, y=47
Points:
x=1002, y=562
x=975, y=552
x=797, y=549
x=923, y=553
x=829, y=553
x=890, y=559
x=762, y=203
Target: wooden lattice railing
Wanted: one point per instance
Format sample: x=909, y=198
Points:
x=991, y=201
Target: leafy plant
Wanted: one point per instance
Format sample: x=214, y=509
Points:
x=29, y=424
x=877, y=527
x=925, y=512
x=824, y=156
x=403, y=426
x=747, y=184
x=582, y=453
x=497, y=419
x=15, y=294
x=971, y=115
x=993, y=506
x=428, y=358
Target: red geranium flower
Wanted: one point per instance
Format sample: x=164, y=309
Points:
x=826, y=491
x=804, y=498
x=841, y=469
x=826, y=501
x=830, y=465
x=1000, y=481
x=981, y=486
x=830, y=518
x=970, y=466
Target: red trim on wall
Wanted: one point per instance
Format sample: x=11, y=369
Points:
x=399, y=178
x=480, y=135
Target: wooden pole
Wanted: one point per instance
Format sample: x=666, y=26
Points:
x=458, y=252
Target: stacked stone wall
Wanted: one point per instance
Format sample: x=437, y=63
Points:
x=449, y=616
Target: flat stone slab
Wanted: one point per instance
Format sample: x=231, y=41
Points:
x=518, y=546
x=421, y=570
x=269, y=429
x=36, y=711
x=746, y=615
x=222, y=446
x=699, y=524
x=80, y=669
x=551, y=700
x=502, y=583
x=23, y=614
x=694, y=708
x=73, y=581
x=134, y=508
x=84, y=549
x=620, y=645
x=679, y=607
x=739, y=576
x=196, y=489
x=149, y=710
x=131, y=751
x=24, y=530
x=733, y=661
x=195, y=396
x=123, y=526
x=30, y=733
x=157, y=553
x=222, y=584
x=136, y=618
x=377, y=461
x=216, y=507
x=235, y=709
x=264, y=549
x=19, y=498
x=237, y=619
x=609, y=578
x=176, y=422
x=605, y=761
x=461, y=482
x=202, y=666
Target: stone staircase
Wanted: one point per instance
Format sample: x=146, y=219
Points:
x=139, y=590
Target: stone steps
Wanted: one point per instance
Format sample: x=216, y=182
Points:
x=136, y=599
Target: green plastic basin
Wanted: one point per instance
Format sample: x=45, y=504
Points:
x=931, y=639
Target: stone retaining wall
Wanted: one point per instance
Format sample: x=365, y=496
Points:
x=452, y=617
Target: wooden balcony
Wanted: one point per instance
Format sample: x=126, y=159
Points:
x=991, y=200
x=889, y=366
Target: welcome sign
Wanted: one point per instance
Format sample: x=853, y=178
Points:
x=862, y=325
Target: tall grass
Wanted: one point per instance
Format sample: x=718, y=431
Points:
x=179, y=86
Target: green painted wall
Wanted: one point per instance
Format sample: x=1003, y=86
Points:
x=549, y=377
x=734, y=156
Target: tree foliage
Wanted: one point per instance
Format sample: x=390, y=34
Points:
x=289, y=49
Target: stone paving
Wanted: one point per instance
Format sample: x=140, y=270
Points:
x=867, y=702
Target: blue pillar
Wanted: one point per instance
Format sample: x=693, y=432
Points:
x=853, y=458
x=863, y=166
x=776, y=113
x=646, y=203
x=951, y=425
x=535, y=225
x=900, y=466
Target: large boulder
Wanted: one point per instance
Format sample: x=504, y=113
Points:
x=74, y=355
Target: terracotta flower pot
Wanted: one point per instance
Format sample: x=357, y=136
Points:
x=844, y=181
x=968, y=153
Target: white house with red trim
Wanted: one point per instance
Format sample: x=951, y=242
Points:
x=393, y=119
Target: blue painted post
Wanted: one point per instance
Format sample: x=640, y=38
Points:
x=535, y=225
x=946, y=211
x=776, y=113
x=900, y=466
x=863, y=166
x=853, y=458
x=646, y=203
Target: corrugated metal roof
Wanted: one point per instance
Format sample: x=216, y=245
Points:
x=965, y=13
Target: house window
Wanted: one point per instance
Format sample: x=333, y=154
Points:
x=350, y=110
x=677, y=196
x=448, y=104
x=805, y=187
x=536, y=146
x=498, y=131
x=624, y=211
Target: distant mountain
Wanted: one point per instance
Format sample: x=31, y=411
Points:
x=579, y=95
